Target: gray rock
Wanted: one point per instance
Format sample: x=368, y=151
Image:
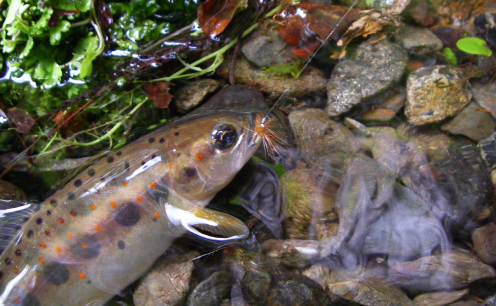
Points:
x=472, y=123
x=487, y=149
x=212, y=291
x=436, y=93
x=167, y=283
x=418, y=40
x=384, y=106
x=192, y=94
x=266, y=47
x=311, y=80
x=9, y=191
x=439, y=298
x=372, y=69
x=484, y=239
x=485, y=95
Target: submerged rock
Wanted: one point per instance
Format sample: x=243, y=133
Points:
x=436, y=93
x=9, y=191
x=372, y=69
x=484, y=239
x=266, y=47
x=416, y=40
x=472, y=123
x=485, y=95
x=192, y=94
x=212, y=291
x=167, y=283
x=439, y=298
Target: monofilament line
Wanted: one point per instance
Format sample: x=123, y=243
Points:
x=308, y=62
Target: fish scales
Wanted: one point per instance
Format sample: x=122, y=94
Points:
x=107, y=226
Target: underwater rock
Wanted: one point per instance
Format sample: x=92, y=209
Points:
x=266, y=47
x=292, y=253
x=487, y=149
x=308, y=198
x=167, y=283
x=189, y=96
x=439, y=298
x=9, y=191
x=472, y=123
x=311, y=80
x=383, y=106
x=323, y=143
x=416, y=40
x=436, y=93
x=485, y=95
x=370, y=70
x=212, y=291
x=484, y=239
x=255, y=286
x=453, y=270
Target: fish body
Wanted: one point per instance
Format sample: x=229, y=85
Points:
x=107, y=226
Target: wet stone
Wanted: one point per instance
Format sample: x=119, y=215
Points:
x=296, y=290
x=487, y=149
x=472, y=123
x=373, y=68
x=436, y=93
x=440, y=298
x=191, y=95
x=485, y=95
x=484, y=239
x=416, y=40
x=9, y=191
x=211, y=291
x=167, y=283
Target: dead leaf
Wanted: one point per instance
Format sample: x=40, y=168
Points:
x=306, y=24
x=215, y=15
x=21, y=119
x=159, y=93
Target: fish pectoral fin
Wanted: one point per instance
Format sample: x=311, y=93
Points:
x=216, y=226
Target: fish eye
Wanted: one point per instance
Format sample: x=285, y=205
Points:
x=224, y=136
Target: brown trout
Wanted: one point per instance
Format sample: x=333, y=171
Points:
x=107, y=226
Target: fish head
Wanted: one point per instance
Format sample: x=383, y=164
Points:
x=209, y=154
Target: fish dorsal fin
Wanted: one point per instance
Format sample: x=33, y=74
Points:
x=214, y=225
x=13, y=215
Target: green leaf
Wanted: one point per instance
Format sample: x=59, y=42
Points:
x=56, y=32
x=65, y=5
x=450, y=56
x=89, y=56
x=83, y=5
x=11, y=13
x=473, y=45
x=49, y=71
x=27, y=48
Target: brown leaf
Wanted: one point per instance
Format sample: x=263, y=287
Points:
x=215, y=15
x=21, y=119
x=159, y=93
x=306, y=24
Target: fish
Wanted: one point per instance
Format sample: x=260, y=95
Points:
x=107, y=226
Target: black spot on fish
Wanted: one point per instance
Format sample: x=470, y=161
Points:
x=119, y=153
x=78, y=183
x=88, y=282
x=110, y=159
x=189, y=171
x=154, y=219
x=87, y=247
x=30, y=233
x=8, y=261
x=151, y=140
x=126, y=166
x=53, y=203
x=102, y=178
x=143, y=162
x=176, y=134
x=30, y=300
x=39, y=221
x=91, y=172
x=18, y=252
x=121, y=244
x=55, y=273
x=128, y=215
x=49, y=213
x=71, y=196
x=161, y=140
x=1, y=274
x=153, y=156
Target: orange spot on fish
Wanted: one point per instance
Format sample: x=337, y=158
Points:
x=47, y=233
x=98, y=228
x=124, y=184
x=112, y=203
x=16, y=271
x=84, y=246
x=73, y=212
x=58, y=250
x=139, y=199
x=82, y=276
x=61, y=220
x=69, y=235
x=16, y=299
x=156, y=215
x=199, y=156
x=153, y=185
x=170, y=166
x=93, y=207
x=41, y=259
x=42, y=245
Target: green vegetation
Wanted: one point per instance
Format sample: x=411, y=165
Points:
x=473, y=45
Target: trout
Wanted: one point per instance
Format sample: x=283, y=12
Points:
x=107, y=226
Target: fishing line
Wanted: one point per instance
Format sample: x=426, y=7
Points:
x=307, y=63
